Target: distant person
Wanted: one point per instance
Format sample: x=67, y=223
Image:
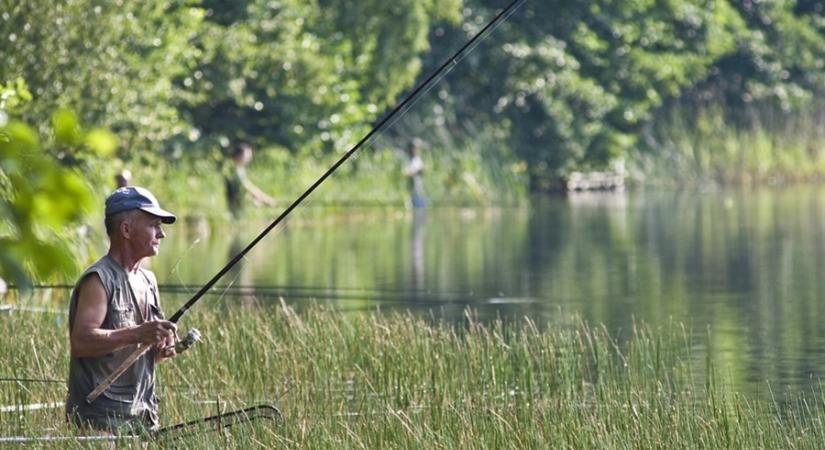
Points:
x=414, y=172
x=114, y=307
x=237, y=183
x=123, y=178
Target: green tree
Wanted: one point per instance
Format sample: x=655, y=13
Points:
x=309, y=76
x=40, y=200
x=571, y=83
x=779, y=58
x=111, y=62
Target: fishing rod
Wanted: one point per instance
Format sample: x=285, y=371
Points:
x=218, y=421
x=449, y=63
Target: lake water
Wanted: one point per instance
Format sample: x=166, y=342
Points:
x=741, y=269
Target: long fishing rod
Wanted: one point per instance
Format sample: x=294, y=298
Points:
x=178, y=431
x=450, y=62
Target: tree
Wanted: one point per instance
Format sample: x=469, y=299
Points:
x=571, y=83
x=39, y=199
x=778, y=58
x=307, y=76
x=111, y=62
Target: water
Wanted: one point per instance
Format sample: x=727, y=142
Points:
x=741, y=269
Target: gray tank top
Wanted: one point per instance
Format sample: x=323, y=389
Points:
x=130, y=401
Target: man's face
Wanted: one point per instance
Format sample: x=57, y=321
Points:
x=145, y=233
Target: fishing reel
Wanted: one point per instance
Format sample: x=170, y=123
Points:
x=192, y=336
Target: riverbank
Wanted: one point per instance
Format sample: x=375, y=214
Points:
x=366, y=380
x=699, y=152
x=455, y=177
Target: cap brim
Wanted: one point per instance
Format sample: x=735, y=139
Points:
x=165, y=216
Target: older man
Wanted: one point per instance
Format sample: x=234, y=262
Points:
x=114, y=307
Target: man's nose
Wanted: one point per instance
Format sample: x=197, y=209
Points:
x=160, y=234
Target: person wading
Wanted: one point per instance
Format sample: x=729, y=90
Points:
x=414, y=171
x=114, y=307
x=237, y=183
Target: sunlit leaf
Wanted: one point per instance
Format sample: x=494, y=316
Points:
x=66, y=128
x=102, y=142
x=18, y=137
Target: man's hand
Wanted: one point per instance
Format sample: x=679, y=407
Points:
x=165, y=349
x=155, y=331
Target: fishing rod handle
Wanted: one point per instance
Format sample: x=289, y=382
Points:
x=139, y=351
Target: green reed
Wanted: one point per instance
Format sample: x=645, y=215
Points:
x=371, y=380
x=710, y=145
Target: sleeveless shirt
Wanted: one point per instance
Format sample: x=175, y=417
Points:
x=130, y=401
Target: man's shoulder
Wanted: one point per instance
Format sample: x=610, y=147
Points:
x=105, y=262
x=104, y=271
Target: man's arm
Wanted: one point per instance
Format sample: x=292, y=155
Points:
x=89, y=340
x=258, y=196
x=415, y=167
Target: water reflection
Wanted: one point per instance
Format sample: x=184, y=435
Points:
x=744, y=264
x=419, y=231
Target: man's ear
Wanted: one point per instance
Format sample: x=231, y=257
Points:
x=125, y=228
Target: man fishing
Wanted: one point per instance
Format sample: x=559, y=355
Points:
x=114, y=308
x=237, y=182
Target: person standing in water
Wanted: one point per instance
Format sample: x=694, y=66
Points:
x=414, y=173
x=237, y=183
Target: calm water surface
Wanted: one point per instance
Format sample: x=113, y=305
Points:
x=741, y=270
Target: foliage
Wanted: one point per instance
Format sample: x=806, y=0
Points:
x=111, y=62
x=560, y=86
x=307, y=76
x=695, y=146
x=573, y=84
x=778, y=58
x=39, y=198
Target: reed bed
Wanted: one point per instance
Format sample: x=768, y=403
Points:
x=374, y=380
x=703, y=147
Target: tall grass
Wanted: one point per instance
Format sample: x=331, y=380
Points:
x=708, y=146
x=367, y=380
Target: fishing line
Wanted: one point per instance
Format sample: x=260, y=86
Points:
x=174, y=270
x=31, y=380
x=173, y=288
x=387, y=297
x=388, y=301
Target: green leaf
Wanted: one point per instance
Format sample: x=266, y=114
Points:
x=66, y=128
x=102, y=142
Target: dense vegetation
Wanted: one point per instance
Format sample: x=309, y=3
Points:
x=577, y=84
x=703, y=89
x=377, y=381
